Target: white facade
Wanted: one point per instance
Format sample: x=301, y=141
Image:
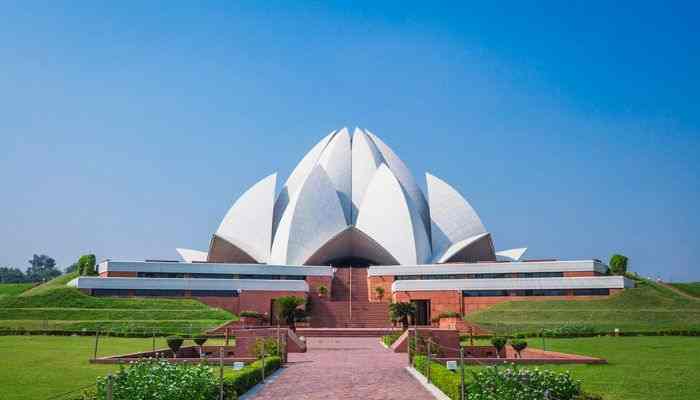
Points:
x=86, y=282
x=593, y=282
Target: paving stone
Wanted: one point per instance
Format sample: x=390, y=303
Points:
x=344, y=368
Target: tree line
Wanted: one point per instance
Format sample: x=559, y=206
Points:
x=43, y=268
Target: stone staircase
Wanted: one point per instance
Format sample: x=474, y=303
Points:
x=349, y=305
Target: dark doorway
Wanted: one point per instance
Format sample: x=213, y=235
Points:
x=273, y=313
x=422, y=312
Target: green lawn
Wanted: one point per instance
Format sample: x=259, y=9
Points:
x=36, y=367
x=55, y=306
x=649, y=307
x=639, y=368
x=13, y=289
x=691, y=288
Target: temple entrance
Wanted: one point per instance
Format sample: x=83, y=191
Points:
x=422, y=312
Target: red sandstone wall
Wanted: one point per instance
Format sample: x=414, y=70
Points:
x=579, y=273
x=315, y=281
x=118, y=274
x=379, y=281
x=472, y=304
x=259, y=300
x=444, y=300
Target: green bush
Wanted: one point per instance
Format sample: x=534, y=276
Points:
x=153, y=379
x=252, y=314
x=618, y=264
x=265, y=347
x=570, y=330
x=241, y=381
x=449, y=314
x=174, y=342
x=440, y=376
x=391, y=338
x=514, y=383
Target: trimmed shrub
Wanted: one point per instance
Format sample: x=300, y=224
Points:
x=380, y=292
x=440, y=376
x=241, y=381
x=514, y=383
x=449, y=314
x=518, y=345
x=174, y=342
x=200, y=340
x=152, y=379
x=265, y=347
x=322, y=290
x=252, y=314
x=499, y=342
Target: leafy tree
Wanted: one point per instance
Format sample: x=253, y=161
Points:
x=286, y=309
x=86, y=265
x=402, y=312
x=12, y=275
x=618, y=264
x=518, y=344
x=72, y=268
x=42, y=269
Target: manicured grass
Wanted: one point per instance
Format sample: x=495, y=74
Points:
x=691, y=288
x=54, y=306
x=640, y=368
x=13, y=289
x=649, y=307
x=37, y=367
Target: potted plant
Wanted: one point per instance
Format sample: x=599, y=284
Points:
x=402, y=312
x=322, y=290
x=379, y=290
x=518, y=344
x=174, y=342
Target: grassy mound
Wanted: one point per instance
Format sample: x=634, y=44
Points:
x=55, y=306
x=648, y=307
x=13, y=289
x=691, y=288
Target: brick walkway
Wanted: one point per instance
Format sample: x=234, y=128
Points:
x=344, y=368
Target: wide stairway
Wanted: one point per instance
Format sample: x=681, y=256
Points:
x=349, y=305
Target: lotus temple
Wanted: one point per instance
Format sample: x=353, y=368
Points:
x=351, y=231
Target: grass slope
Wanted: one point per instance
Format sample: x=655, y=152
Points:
x=691, y=288
x=13, y=289
x=648, y=307
x=56, y=306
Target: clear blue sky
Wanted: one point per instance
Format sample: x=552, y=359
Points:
x=128, y=129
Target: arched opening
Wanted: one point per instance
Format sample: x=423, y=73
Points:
x=351, y=246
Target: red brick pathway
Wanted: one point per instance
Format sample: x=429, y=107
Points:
x=344, y=368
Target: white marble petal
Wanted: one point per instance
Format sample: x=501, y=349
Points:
x=389, y=217
x=512, y=254
x=189, y=255
x=336, y=160
x=403, y=174
x=452, y=218
x=248, y=224
x=312, y=218
x=366, y=158
x=297, y=178
x=471, y=249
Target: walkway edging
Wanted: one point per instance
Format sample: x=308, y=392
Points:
x=437, y=393
x=257, y=388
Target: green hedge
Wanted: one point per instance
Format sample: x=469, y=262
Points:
x=239, y=382
x=440, y=376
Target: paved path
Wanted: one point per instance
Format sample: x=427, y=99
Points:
x=344, y=368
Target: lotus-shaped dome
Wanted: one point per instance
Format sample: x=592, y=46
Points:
x=350, y=197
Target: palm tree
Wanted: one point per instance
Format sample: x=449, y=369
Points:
x=286, y=309
x=401, y=312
